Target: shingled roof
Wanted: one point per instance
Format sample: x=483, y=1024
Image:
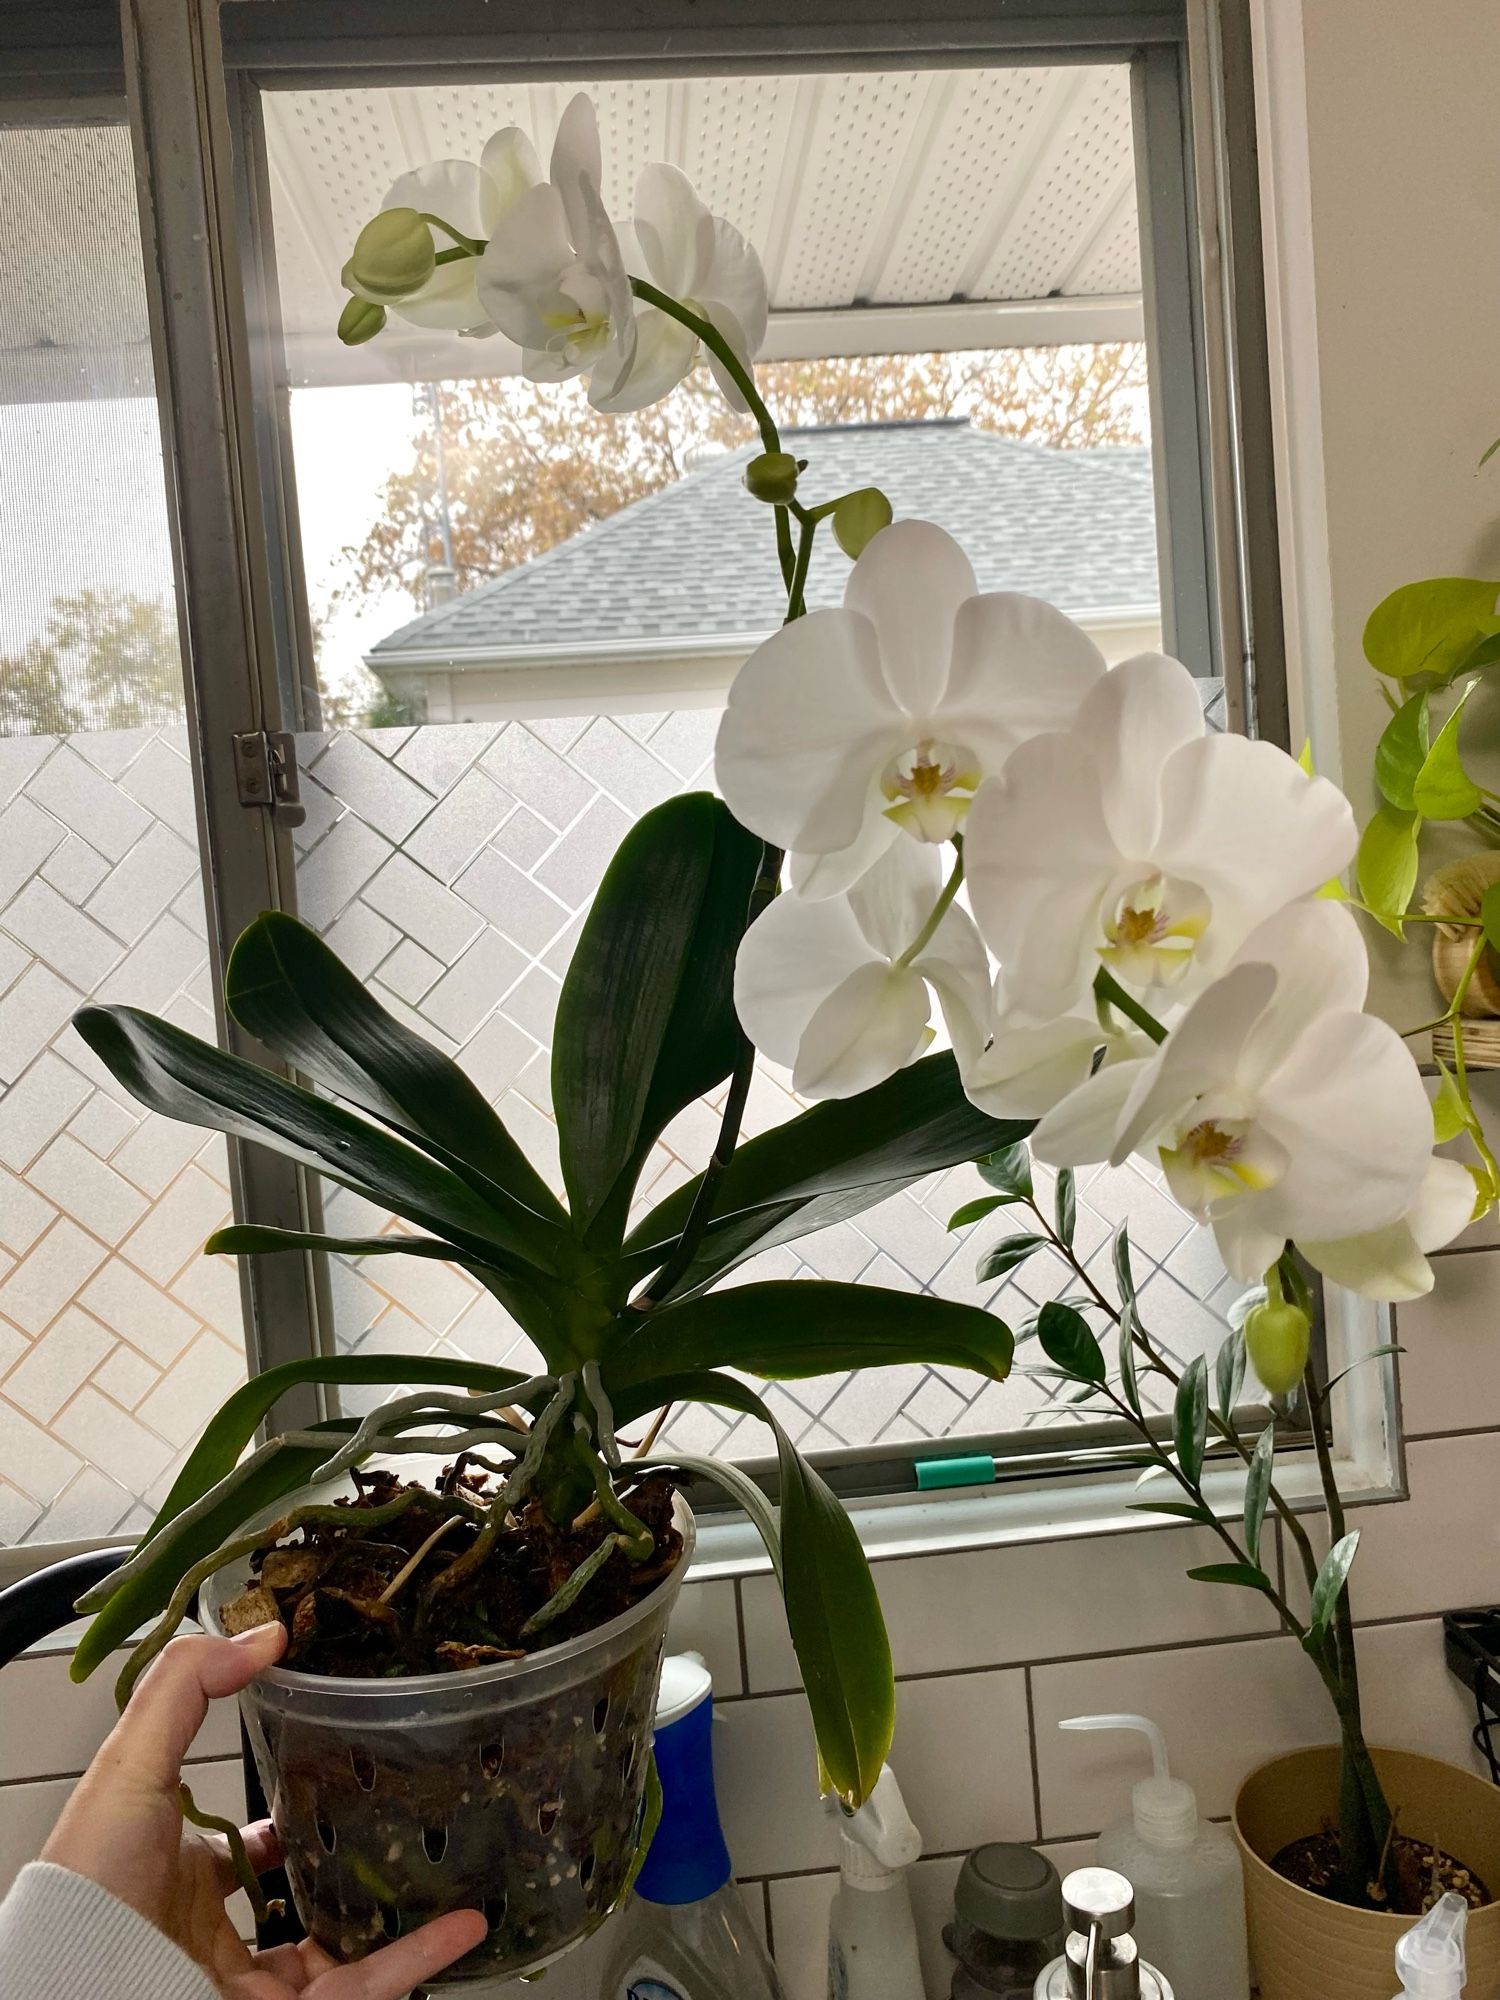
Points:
x=1075, y=527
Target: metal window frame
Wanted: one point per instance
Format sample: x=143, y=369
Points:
x=192, y=73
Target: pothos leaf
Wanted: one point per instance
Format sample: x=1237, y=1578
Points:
x=1386, y=867
x=1402, y=752
x=1442, y=788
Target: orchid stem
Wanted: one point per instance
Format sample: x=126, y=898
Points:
x=1109, y=990
x=719, y=347
x=940, y=910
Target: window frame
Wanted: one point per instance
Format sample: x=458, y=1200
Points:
x=193, y=72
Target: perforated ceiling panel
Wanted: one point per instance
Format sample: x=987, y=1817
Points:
x=895, y=190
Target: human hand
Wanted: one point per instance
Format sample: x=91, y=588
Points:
x=124, y=1829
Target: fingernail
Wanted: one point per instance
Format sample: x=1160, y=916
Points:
x=254, y=1636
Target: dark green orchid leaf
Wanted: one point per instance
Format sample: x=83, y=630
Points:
x=646, y=1020
x=833, y=1161
x=797, y=1327
x=175, y=1073
x=832, y=1610
x=215, y=1457
x=249, y=1239
x=297, y=996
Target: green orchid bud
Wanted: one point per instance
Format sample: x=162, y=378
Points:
x=1277, y=1339
x=360, y=321
x=772, y=477
x=392, y=258
x=859, y=517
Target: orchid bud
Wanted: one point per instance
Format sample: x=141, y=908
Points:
x=360, y=321
x=393, y=256
x=859, y=517
x=772, y=477
x=1277, y=1339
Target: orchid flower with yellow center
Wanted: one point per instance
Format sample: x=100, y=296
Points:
x=1276, y=1108
x=852, y=728
x=1151, y=847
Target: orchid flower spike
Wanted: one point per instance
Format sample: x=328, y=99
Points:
x=1276, y=1108
x=705, y=264
x=1152, y=847
x=552, y=275
x=472, y=200
x=838, y=991
x=850, y=728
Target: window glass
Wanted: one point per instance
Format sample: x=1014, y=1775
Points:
x=527, y=615
x=117, y=1338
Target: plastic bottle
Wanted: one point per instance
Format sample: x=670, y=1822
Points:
x=684, y=1933
x=1100, y=1960
x=1430, y=1958
x=1189, y=1886
x=872, y=1939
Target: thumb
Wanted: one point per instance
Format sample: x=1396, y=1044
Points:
x=167, y=1709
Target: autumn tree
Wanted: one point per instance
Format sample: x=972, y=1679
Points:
x=107, y=659
x=525, y=467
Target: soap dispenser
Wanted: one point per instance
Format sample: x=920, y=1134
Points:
x=1430, y=1958
x=1100, y=1960
x=1189, y=1886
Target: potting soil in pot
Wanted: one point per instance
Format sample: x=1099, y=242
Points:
x=409, y=1785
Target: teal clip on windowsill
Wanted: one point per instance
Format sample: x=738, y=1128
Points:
x=935, y=1473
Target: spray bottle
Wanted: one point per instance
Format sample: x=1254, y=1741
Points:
x=1430, y=1958
x=872, y=1940
x=684, y=1932
x=1189, y=1886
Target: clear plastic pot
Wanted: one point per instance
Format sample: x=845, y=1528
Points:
x=514, y=1788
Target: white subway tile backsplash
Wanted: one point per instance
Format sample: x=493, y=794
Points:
x=1032, y=1601
x=28, y=1813
x=960, y=1752
x=1439, y=1550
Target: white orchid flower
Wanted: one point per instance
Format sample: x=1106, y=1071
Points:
x=1151, y=847
x=1391, y=1263
x=1276, y=1107
x=1026, y=1067
x=705, y=264
x=552, y=275
x=850, y=727
x=472, y=200
x=839, y=991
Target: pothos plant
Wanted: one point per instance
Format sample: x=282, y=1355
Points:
x=1130, y=945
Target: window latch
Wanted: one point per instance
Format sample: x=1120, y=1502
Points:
x=265, y=767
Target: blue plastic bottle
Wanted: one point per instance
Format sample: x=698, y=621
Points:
x=685, y=1934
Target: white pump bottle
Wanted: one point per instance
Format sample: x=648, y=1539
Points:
x=1189, y=1886
x=872, y=1939
x=1430, y=1958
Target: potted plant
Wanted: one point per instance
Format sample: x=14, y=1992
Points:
x=463, y=1713
x=474, y=1650
x=1376, y=1833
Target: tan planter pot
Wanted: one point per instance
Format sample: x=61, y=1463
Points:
x=1302, y=1947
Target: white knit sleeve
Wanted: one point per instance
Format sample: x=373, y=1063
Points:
x=62, y=1937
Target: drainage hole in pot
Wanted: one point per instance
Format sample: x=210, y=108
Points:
x=547, y=1815
x=435, y=1842
x=491, y=1757
x=601, y=1714
x=363, y=1766
x=494, y=1911
x=586, y=1871
x=390, y=1920
x=327, y=1835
